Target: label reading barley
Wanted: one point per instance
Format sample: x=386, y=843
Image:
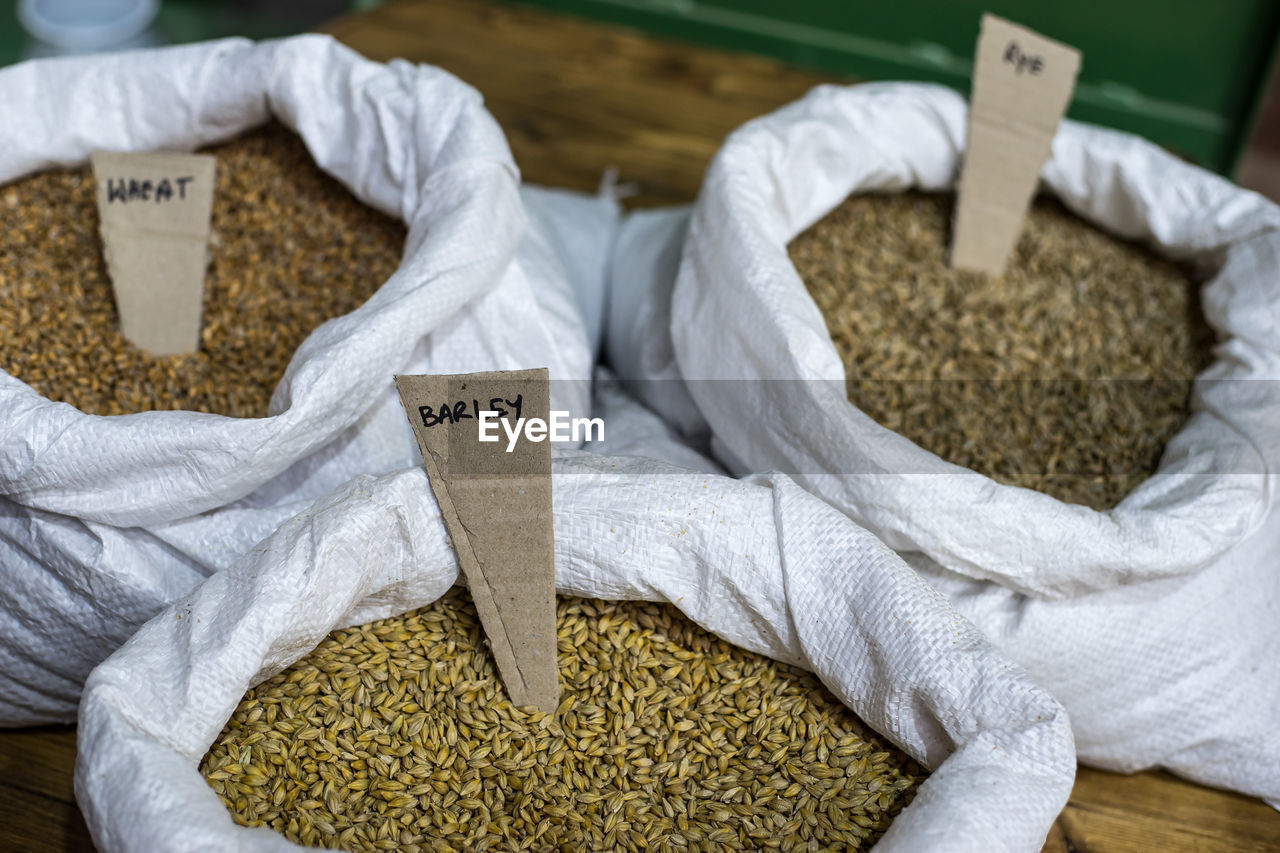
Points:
x=445, y=413
x=496, y=503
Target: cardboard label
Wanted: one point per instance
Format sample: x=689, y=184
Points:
x=496, y=501
x=154, y=213
x=1022, y=83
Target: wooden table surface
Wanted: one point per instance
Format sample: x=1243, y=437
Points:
x=1107, y=813
x=574, y=99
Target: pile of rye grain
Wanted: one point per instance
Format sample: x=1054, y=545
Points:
x=1068, y=373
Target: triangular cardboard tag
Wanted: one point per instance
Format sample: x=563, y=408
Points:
x=154, y=214
x=497, y=508
x=1022, y=83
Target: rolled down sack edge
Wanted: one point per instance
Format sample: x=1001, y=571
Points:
x=741, y=313
x=412, y=141
x=762, y=563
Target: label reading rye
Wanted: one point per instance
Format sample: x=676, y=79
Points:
x=1022, y=83
x=154, y=214
x=1021, y=62
x=496, y=504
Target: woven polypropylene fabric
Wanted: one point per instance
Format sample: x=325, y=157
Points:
x=76, y=589
x=1155, y=623
x=411, y=141
x=763, y=564
x=105, y=520
x=741, y=313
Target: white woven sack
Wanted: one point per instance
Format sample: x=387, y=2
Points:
x=763, y=564
x=105, y=520
x=633, y=429
x=641, y=274
x=579, y=230
x=1156, y=623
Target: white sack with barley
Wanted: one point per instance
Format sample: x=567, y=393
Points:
x=1157, y=622
x=761, y=563
x=642, y=272
x=103, y=520
x=634, y=429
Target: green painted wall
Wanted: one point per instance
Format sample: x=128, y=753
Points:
x=1185, y=73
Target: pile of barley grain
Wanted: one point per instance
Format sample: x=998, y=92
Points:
x=290, y=248
x=396, y=736
x=1067, y=374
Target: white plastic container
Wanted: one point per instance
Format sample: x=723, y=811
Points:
x=83, y=26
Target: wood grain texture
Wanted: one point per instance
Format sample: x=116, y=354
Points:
x=1108, y=813
x=38, y=811
x=575, y=98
